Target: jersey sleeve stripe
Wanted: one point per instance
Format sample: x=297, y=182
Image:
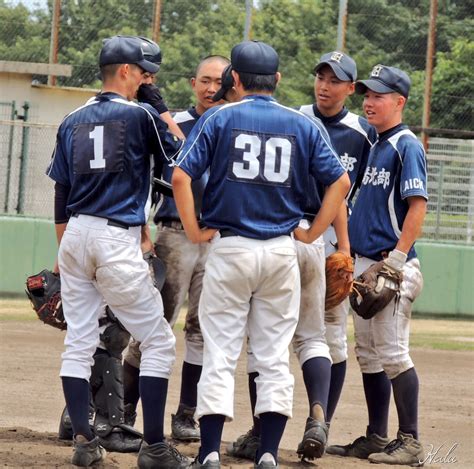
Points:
x=182, y=157
x=392, y=213
x=318, y=125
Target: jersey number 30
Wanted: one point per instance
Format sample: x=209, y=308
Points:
x=261, y=159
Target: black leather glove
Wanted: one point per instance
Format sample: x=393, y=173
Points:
x=151, y=94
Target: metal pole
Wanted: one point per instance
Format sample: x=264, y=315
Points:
x=248, y=20
x=156, y=21
x=23, y=159
x=342, y=25
x=53, y=47
x=9, y=156
x=430, y=51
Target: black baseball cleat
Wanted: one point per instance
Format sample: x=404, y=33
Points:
x=161, y=455
x=314, y=440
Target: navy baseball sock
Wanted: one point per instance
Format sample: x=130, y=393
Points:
x=377, y=389
x=211, y=434
x=317, y=377
x=153, y=392
x=76, y=393
x=190, y=375
x=338, y=374
x=253, y=402
x=273, y=425
x=405, y=392
x=131, y=386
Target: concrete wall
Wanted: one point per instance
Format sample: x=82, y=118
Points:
x=28, y=245
x=48, y=104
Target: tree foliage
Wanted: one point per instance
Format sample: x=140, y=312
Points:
x=392, y=32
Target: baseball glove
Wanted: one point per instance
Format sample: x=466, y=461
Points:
x=157, y=269
x=374, y=289
x=44, y=292
x=338, y=285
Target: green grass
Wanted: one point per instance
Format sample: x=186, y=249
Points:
x=435, y=334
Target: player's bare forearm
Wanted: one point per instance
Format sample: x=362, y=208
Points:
x=146, y=242
x=172, y=125
x=340, y=227
x=60, y=229
x=330, y=206
x=184, y=198
x=412, y=226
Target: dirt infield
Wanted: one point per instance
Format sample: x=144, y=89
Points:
x=31, y=402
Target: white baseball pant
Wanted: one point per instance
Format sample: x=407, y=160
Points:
x=250, y=286
x=382, y=342
x=335, y=319
x=100, y=262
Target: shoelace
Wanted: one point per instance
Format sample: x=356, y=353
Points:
x=393, y=446
x=176, y=454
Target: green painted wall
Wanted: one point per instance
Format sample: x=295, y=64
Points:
x=28, y=245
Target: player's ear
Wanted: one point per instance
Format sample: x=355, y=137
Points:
x=401, y=100
x=351, y=89
x=278, y=77
x=192, y=81
x=236, y=78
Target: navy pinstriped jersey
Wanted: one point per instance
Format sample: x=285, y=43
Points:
x=166, y=207
x=352, y=137
x=396, y=170
x=261, y=155
x=103, y=153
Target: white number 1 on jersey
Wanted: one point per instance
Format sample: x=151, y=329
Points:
x=98, y=136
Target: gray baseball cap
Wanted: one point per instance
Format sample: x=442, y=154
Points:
x=126, y=50
x=343, y=66
x=254, y=57
x=384, y=80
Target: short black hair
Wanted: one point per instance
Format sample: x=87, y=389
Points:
x=253, y=82
x=109, y=71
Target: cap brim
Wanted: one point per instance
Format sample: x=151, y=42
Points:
x=220, y=94
x=373, y=85
x=338, y=71
x=149, y=67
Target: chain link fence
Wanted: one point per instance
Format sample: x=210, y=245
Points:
x=392, y=32
x=25, y=190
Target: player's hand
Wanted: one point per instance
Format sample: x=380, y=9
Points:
x=148, y=93
x=302, y=235
x=207, y=234
x=347, y=276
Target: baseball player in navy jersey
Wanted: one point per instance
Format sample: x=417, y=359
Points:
x=385, y=222
x=184, y=265
x=352, y=137
x=113, y=421
x=102, y=168
x=260, y=155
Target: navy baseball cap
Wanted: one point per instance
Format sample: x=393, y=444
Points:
x=384, y=80
x=126, y=50
x=343, y=66
x=254, y=57
x=227, y=82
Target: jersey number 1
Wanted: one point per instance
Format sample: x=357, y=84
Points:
x=97, y=135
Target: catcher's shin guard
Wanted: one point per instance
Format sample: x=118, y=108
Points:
x=107, y=390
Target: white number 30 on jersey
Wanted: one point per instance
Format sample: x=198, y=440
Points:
x=261, y=158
